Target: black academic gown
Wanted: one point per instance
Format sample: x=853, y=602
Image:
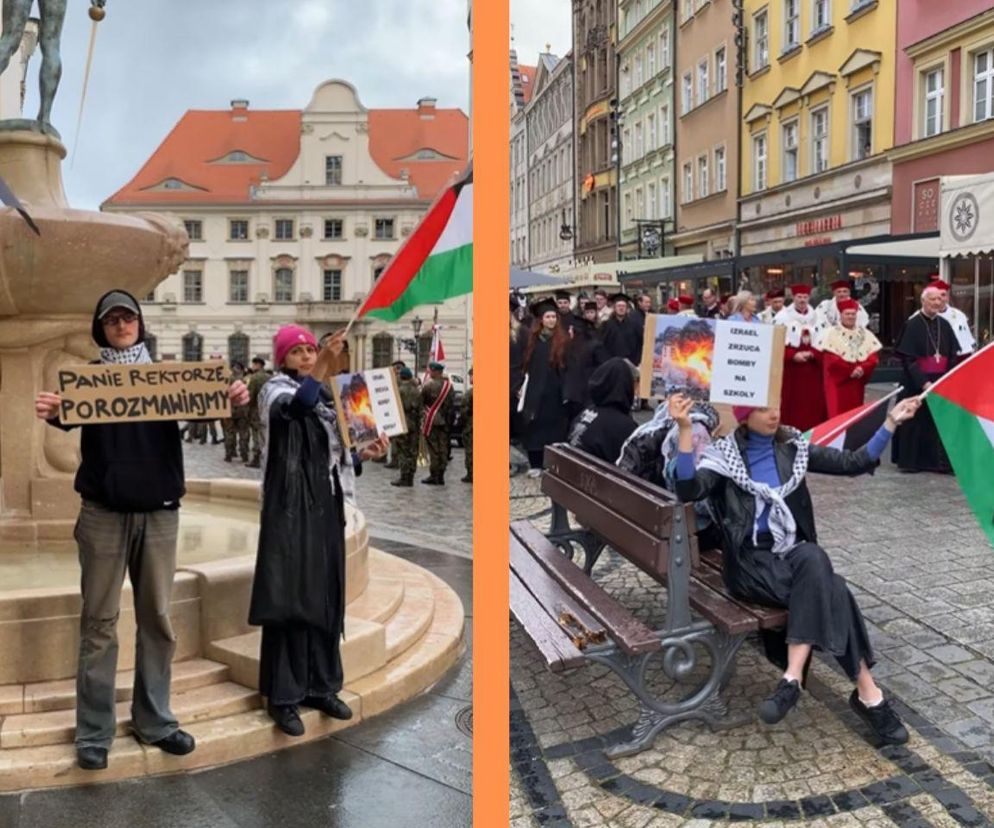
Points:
x=623, y=338
x=583, y=354
x=601, y=430
x=298, y=593
x=544, y=419
x=917, y=446
x=518, y=338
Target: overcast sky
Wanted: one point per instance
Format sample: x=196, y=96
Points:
x=538, y=22
x=155, y=59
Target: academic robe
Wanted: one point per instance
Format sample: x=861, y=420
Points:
x=927, y=348
x=802, y=396
x=544, y=418
x=623, y=338
x=843, y=351
x=583, y=354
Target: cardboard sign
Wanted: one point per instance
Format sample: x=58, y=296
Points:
x=747, y=364
x=100, y=394
x=738, y=363
x=368, y=405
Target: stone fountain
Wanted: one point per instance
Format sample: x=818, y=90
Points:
x=404, y=625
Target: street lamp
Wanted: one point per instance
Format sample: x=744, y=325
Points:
x=416, y=323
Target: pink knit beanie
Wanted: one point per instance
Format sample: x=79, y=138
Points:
x=742, y=412
x=287, y=338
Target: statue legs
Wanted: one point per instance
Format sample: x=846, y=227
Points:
x=53, y=13
x=15, y=17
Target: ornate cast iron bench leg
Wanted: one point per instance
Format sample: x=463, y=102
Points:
x=679, y=658
x=565, y=536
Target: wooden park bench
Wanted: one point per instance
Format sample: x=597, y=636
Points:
x=572, y=620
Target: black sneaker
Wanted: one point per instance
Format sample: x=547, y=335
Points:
x=333, y=707
x=91, y=758
x=773, y=709
x=287, y=719
x=881, y=718
x=178, y=743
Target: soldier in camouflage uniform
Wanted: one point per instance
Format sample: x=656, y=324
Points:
x=257, y=378
x=437, y=395
x=467, y=429
x=405, y=447
x=391, y=462
x=236, y=428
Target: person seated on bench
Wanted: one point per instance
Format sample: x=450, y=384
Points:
x=602, y=428
x=651, y=451
x=754, y=479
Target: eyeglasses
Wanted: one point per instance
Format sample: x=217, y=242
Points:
x=112, y=320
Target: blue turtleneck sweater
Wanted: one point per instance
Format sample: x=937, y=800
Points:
x=762, y=464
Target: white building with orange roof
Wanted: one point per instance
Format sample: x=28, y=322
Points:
x=292, y=216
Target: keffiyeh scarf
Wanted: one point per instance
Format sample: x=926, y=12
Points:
x=724, y=457
x=135, y=355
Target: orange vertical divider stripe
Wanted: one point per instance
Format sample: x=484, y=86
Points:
x=491, y=273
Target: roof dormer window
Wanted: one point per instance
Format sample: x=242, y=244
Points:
x=238, y=156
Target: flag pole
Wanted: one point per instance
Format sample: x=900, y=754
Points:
x=86, y=83
x=947, y=375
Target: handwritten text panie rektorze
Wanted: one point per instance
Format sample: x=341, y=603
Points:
x=135, y=393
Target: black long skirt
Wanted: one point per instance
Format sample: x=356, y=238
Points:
x=298, y=663
x=823, y=612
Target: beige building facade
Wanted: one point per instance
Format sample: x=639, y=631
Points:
x=331, y=193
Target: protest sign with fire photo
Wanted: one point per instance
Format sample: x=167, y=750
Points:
x=677, y=353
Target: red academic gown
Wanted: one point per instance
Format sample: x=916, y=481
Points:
x=842, y=391
x=802, y=400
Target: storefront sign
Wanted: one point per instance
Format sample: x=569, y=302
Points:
x=926, y=217
x=822, y=225
x=140, y=393
x=816, y=242
x=967, y=215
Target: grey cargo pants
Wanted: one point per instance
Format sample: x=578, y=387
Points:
x=144, y=545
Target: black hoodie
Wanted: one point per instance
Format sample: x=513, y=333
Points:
x=130, y=467
x=602, y=429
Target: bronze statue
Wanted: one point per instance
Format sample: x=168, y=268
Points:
x=52, y=15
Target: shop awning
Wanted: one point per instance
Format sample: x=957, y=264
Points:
x=920, y=248
x=967, y=218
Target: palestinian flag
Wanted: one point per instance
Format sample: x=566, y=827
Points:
x=962, y=405
x=852, y=429
x=434, y=264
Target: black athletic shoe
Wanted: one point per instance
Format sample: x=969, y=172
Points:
x=882, y=719
x=178, y=743
x=287, y=719
x=333, y=707
x=773, y=709
x=91, y=758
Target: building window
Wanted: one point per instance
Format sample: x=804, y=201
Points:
x=983, y=85
x=639, y=69
x=862, y=119
x=653, y=204
x=664, y=47
x=664, y=198
x=627, y=149
x=331, y=287
x=628, y=209
x=688, y=183
x=650, y=128
x=791, y=24
x=238, y=348
x=688, y=10
x=720, y=73
x=382, y=350
x=720, y=184
x=759, y=162
x=333, y=228
x=283, y=285
x=650, y=58
x=194, y=229
x=238, y=229
x=383, y=229
x=790, y=151
x=639, y=204
x=819, y=140
x=821, y=17
x=284, y=229
x=934, y=92
x=150, y=297
x=761, y=40
x=688, y=92
x=193, y=286
x=664, y=126
x=193, y=347
x=333, y=170
x=378, y=269
x=639, y=141
x=703, y=182
x=238, y=288
x=703, y=84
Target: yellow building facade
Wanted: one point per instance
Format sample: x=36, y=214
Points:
x=819, y=92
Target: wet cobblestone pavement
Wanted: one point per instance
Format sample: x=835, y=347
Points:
x=923, y=574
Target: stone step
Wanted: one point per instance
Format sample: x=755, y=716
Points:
x=61, y=695
x=55, y=727
x=380, y=600
x=414, y=616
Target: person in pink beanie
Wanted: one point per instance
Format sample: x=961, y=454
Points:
x=298, y=593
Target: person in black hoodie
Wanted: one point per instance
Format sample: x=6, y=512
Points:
x=602, y=429
x=130, y=480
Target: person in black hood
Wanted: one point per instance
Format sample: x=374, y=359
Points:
x=584, y=353
x=130, y=480
x=602, y=429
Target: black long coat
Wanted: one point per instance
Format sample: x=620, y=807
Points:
x=623, y=338
x=544, y=419
x=583, y=354
x=300, y=566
